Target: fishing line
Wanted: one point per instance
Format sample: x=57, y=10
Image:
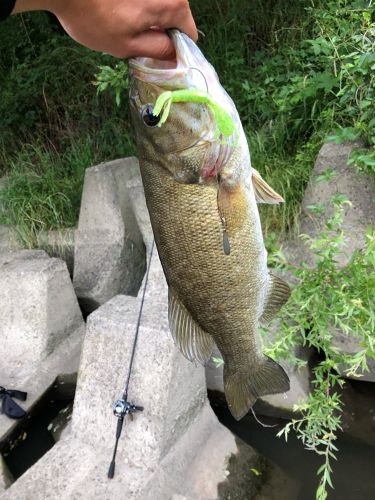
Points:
x=204, y=78
x=261, y=423
x=122, y=407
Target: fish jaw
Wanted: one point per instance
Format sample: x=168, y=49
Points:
x=190, y=69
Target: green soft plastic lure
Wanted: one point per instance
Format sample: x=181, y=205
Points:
x=224, y=121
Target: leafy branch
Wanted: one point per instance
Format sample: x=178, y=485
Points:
x=325, y=300
x=115, y=78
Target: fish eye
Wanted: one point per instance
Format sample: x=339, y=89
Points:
x=148, y=117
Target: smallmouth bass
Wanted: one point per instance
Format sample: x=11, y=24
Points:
x=202, y=195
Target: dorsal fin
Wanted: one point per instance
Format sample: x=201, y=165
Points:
x=263, y=192
x=193, y=342
x=277, y=295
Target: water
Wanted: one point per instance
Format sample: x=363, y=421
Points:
x=353, y=473
x=32, y=437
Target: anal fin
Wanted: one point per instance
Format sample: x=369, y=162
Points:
x=193, y=342
x=278, y=294
x=263, y=192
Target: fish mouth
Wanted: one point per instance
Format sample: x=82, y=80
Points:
x=175, y=74
x=155, y=66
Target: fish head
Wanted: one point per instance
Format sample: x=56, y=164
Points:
x=187, y=144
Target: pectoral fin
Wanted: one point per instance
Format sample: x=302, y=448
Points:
x=277, y=294
x=193, y=342
x=263, y=192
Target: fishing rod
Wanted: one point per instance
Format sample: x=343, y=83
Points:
x=121, y=408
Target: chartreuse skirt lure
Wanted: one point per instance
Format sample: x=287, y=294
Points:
x=224, y=121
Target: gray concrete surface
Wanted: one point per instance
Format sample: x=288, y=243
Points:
x=8, y=239
x=41, y=325
x=359, y=188
x=351, y=345
x=109, y=251
x=60, y=244
x=38, y=310
x=137, y=199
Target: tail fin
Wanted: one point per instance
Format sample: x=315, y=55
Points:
x=243, y=389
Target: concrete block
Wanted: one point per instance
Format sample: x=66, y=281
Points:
x=109, y=252
x=359, y=189
x=166, y=384
x=22, y=255
x=8, y=239
x=352, y=345
x=193, y=469
x=60, y=244
x=38, y=309
x=6, y=478
x=138, y=202
x=41, y=325
x=64, y=360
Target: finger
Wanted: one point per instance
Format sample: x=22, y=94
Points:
x=186, y=23
x=172, y=14
x=152, y=43
x=182, y=19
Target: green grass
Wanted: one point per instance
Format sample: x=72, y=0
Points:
x=53, y=125
x=44, y=187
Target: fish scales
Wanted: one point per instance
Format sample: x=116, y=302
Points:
x=214, y=296
x=212, y=284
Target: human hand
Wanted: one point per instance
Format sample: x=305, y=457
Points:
x=123, y=28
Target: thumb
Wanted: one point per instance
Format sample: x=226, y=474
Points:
x=153, y=43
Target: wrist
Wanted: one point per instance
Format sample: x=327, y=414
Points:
x=30, y=5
